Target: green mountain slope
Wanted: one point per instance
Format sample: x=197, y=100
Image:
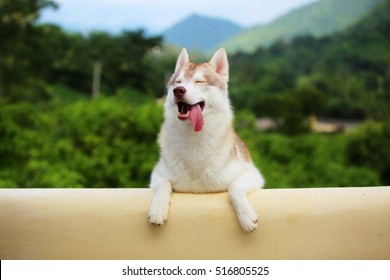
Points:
x=343, y=75
x=317, y=19
x=200, y=32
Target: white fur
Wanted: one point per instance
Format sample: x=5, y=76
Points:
x=202, y=162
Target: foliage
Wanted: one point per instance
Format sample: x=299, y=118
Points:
x=341, y=76
x=306, y=160
x=107, y=142
x=368, y=147
x=53, y=135
x=30, y=52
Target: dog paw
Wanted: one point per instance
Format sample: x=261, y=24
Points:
x=248, y=221
x=158, y=215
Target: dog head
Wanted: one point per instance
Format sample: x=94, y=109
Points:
x=197, y=91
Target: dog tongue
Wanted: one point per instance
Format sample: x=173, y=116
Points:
x=196, y=117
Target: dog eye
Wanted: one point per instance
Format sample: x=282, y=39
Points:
x=200, y=82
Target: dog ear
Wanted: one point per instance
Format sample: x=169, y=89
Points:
x=182, y=59
x=220, y=63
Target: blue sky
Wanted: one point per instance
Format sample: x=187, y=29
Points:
x=156, y=16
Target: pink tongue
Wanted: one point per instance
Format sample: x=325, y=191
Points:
x=196, y=117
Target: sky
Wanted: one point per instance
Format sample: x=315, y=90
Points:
x=156, y=16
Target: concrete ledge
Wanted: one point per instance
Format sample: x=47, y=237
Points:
x=342, y=223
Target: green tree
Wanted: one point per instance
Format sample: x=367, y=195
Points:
x=342, y=75
x=17, y=31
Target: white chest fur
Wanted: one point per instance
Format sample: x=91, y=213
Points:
x=197, y=162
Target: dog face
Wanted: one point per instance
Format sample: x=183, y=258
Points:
x=197, y=91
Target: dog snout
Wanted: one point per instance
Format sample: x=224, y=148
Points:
x=179, y=91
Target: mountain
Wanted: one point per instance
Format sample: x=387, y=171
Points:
x=342, y=75
x=200, y=32
x=318, y=19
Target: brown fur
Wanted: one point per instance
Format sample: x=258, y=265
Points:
x=212, y=78
x=240, y=150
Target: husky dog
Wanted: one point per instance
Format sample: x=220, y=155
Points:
x=200, y=151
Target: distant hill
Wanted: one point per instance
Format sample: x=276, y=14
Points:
x=343, y=75
x=319, y=18
x=200, y=32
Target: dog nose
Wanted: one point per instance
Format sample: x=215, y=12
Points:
x=179, y=91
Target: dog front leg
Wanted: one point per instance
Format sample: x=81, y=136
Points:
x=248, y=181
x=162, y=189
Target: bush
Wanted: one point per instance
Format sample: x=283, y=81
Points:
x=310, y=161
x=100, y=143
x=369, y=147
x=110, y=142
x=306, y=160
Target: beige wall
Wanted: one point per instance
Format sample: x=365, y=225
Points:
x=344, y=223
